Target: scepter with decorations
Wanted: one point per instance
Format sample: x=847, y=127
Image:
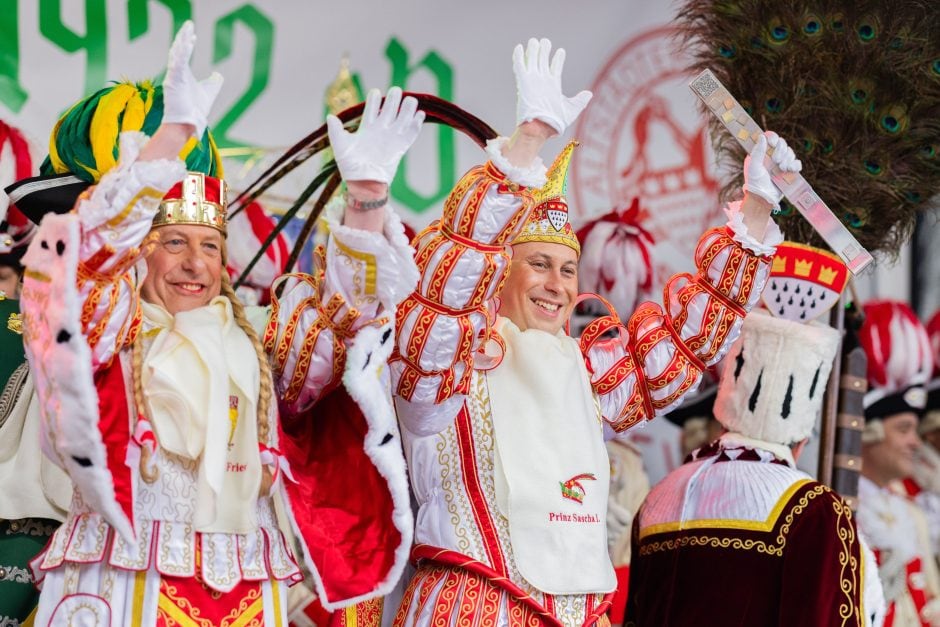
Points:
x=855, y=87
x=797, y=271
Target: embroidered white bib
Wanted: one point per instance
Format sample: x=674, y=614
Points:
x=551, y=466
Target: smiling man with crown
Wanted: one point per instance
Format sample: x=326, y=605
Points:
x=502, y=412
x=179, y=414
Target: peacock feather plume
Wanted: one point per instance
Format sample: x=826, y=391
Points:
x=854, y=87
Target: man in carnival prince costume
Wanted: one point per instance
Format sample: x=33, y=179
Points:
x=503, y=415
x=157, y=394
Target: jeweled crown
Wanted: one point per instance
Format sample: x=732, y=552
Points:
x=548, y=221
x=197, y=199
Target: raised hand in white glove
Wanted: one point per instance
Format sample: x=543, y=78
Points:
x=186, y=100
x=757, y=176
x=538, y=86
x=372, y=153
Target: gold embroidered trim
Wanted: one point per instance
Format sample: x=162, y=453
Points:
x=147, y=192
x=848, y=581
x=15, y=323
x=729, y=523
x=774, y=548
x=367, y=259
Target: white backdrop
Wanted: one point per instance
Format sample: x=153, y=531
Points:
x=638, y=136
x=642, y=134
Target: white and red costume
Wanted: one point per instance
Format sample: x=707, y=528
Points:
x=897, y=530
x=140, y=552
x=507, y=463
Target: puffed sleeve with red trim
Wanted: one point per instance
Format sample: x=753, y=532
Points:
x=662, y=351
x=115, y=219
x=359, y=278
x=463, y=260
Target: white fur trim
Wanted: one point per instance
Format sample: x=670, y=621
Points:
x=366, y=381
x=533, y=176
x=61, y=361
x=733, y=439
x=772, y=237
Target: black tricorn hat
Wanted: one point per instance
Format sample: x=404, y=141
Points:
x=40, y=195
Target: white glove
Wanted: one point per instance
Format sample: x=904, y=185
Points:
x=186, y=100
x=372, y=153
x=757, y=177
x=538, y=86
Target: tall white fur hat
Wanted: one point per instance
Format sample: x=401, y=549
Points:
x=773, y=382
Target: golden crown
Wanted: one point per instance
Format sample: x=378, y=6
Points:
x=827, y=276
x=197, y=199
x=803, y=268
x=548, y=221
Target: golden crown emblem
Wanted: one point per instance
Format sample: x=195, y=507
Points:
x=803, y=268
x=827, y=275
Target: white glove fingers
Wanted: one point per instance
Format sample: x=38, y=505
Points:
x=791, y=165
x=518, y=61
x=334, y=128
x=772, y=139
x=580, y=101
x=211, y=86
x=409, y=106
x=183, y=44
x=532, y=55
x=390, y=107
x=545, y=49
x=786, y=160
x=558, y=62
x=413, y=129
x=759, y=150
x=538, y=84
x=371, y=110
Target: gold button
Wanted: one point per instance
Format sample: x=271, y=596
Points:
x=3, y=573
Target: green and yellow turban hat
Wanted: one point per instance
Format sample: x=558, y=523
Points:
x=84, y=141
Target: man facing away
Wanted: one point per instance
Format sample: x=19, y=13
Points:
x=738, y=535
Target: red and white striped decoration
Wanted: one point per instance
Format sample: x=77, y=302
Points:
x=897, y=346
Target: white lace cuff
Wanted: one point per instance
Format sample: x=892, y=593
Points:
x=533, y=176
x=772, y=237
